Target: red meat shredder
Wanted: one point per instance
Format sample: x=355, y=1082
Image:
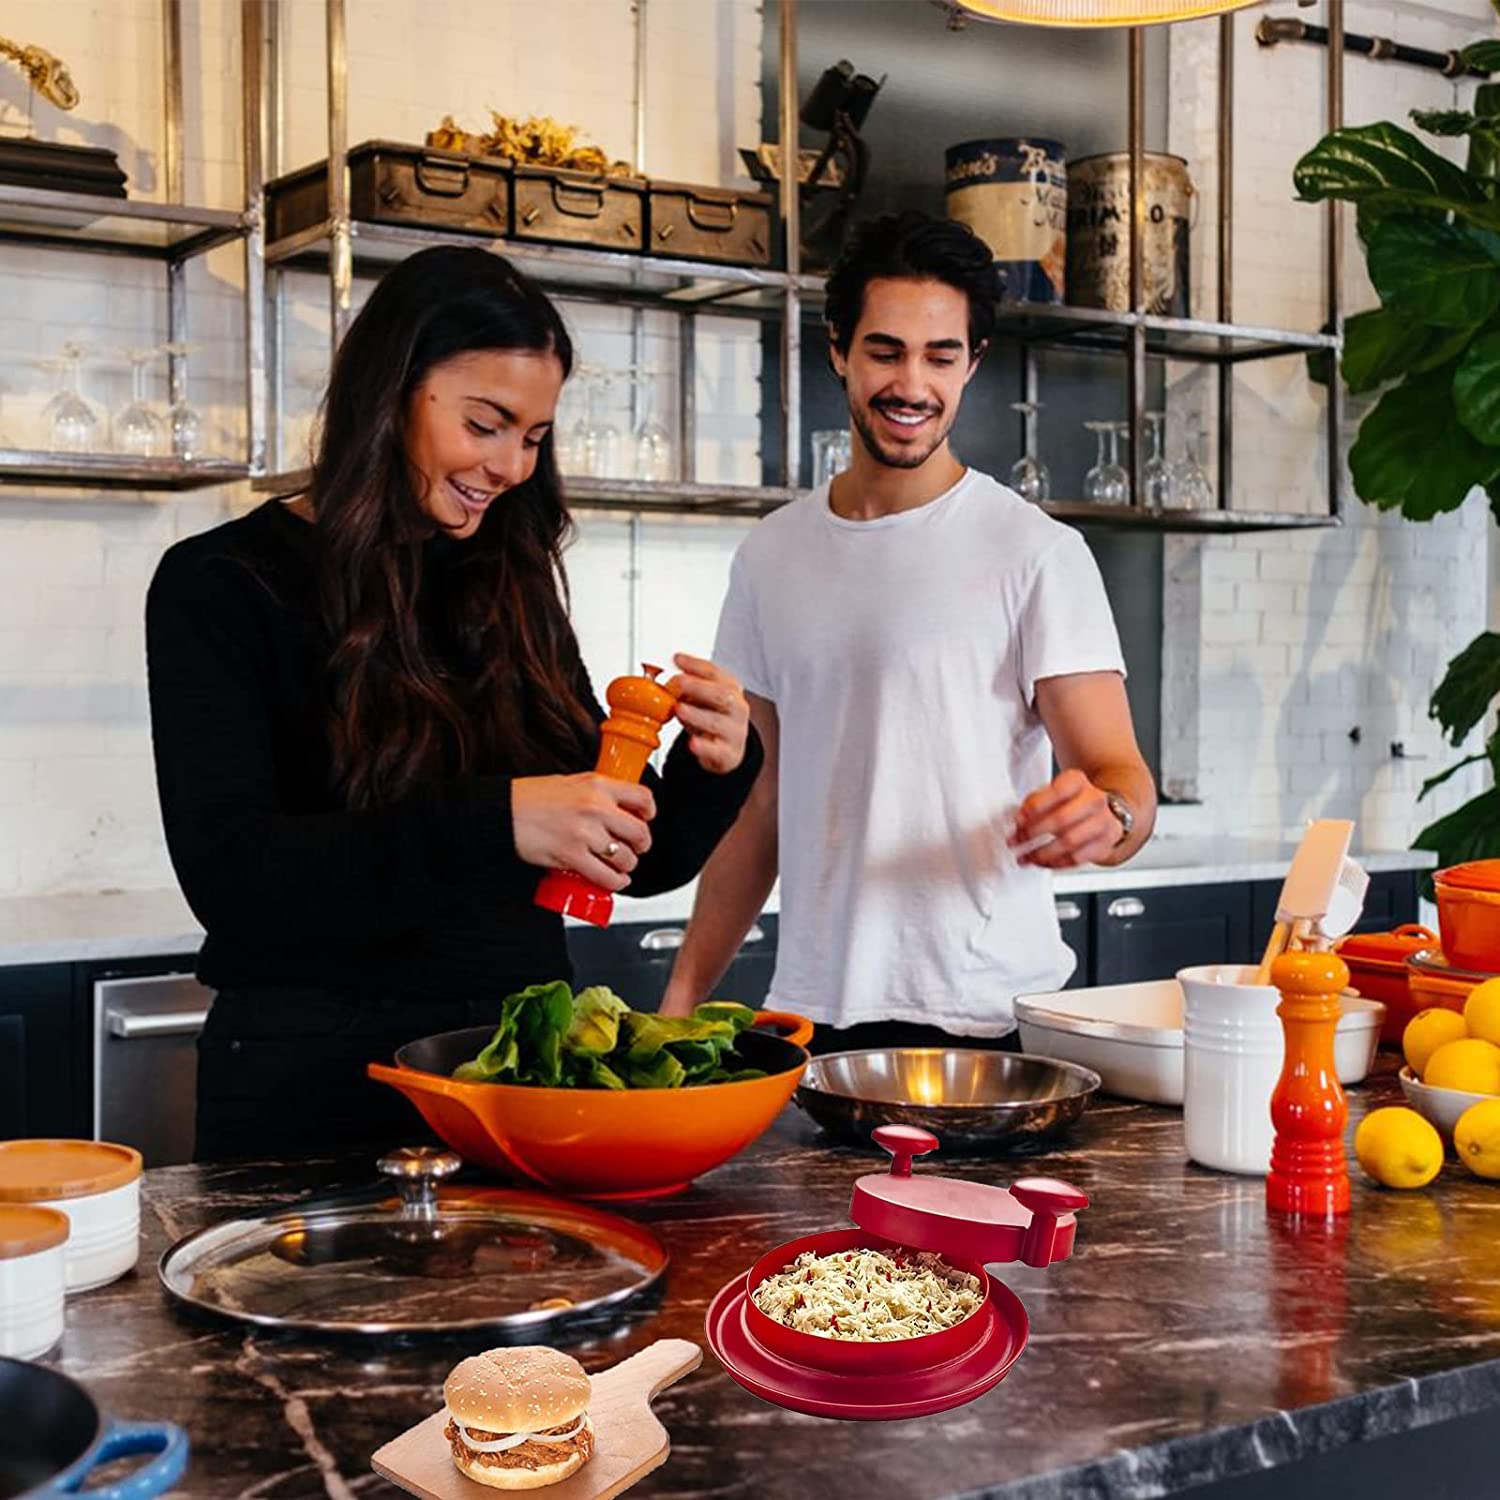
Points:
x=970, y=1224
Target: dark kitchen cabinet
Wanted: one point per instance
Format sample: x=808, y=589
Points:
x=635, y=960
x=45, y=1071
x=1073, y=923
x=1151, y=934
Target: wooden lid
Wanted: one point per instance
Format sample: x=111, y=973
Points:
x=30, y=1230
x=41, y=1171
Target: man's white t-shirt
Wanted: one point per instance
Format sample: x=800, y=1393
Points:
x=902, y=655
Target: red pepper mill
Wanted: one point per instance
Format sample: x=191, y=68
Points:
x=639, y=706
x=1309, y=1171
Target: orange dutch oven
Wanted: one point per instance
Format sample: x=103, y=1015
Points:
x=1468, y=903
x=601, y=1143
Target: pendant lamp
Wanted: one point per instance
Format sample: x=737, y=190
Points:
x=1094, y=12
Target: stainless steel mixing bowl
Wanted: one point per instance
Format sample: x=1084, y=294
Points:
x=971, y=1100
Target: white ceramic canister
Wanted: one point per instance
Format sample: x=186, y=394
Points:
x=1233, y=1046
x=33, y=1274
x=97, y=1185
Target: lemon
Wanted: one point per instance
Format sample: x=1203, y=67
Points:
x=1476, y=1138
x=1470, y=1065
x=1398, y=1148
x=1426, y=1032
x=1482, y=1011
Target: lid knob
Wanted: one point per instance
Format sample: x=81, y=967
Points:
x=1049, y=1199
x=904, y=1142
x=418, y=1170
x=430, y=1162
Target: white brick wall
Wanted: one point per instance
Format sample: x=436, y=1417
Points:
x=1307, y=636
x=77, y=801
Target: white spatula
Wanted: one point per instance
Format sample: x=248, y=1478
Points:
x=1307, y=893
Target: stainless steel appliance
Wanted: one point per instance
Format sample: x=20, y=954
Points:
x=146, y=1063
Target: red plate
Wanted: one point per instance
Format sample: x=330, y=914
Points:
x=868, y=1398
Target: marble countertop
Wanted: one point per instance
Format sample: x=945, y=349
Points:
x=1190, y=1339
x=141, y=924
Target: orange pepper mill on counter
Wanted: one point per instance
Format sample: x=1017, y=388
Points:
x=639, y=706
x=1309, y=1172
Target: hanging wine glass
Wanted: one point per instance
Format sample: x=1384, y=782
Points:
x=74, y=424
x=137, y=428
x=601, y=438
x=183, y=421
x=1157, y=475
x=1102, y=483
x=1191, y=488
x=1028, y=475
x=651, y=442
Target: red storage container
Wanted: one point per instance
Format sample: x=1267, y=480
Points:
x=1377, y=969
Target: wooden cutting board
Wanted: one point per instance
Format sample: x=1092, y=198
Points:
x=628, y=1440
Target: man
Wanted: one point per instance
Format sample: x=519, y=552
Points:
x=917, y=643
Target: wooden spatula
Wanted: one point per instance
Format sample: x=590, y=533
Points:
x=628, y=1440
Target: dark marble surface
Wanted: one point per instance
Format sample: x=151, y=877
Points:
x=1189, y=1340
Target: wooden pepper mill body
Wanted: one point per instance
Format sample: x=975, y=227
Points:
x=1309, y=1171
x=639, y=706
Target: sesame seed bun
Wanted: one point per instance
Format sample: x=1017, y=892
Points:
x=528, y=1389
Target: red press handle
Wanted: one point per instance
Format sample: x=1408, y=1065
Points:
x=904, y=1142
x=1049, y=1199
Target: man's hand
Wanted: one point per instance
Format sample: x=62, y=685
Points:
x=1074, y=818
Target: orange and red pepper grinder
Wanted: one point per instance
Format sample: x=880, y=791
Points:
x=1309, y=1170
x=639, y=706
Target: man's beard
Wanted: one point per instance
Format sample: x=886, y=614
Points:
x=905, y=458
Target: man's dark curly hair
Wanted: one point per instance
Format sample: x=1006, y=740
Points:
x=913, y=246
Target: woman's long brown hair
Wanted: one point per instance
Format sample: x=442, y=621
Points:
x=448, y=659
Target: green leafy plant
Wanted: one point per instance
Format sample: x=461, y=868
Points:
x=551, y=1038
x=1431, y=236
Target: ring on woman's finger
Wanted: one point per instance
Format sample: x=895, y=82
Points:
x=610, y=850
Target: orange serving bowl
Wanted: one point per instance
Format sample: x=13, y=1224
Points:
x=1468, y=903
x=600, y=1143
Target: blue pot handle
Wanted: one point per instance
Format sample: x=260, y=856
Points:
x=125, y=1440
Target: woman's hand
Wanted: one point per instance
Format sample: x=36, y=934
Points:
x=712, y=708
x=587, y=823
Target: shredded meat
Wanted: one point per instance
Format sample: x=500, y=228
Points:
x=532, y=1454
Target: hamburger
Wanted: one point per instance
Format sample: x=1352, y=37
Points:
x=518, y=1418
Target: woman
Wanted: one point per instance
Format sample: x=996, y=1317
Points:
x=374, y=731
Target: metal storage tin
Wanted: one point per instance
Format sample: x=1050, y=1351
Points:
x=1099, y=233
x=398, y=184
x=701, y=223
x=579, y=208
x=1013, y=193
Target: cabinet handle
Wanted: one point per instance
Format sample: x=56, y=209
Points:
x=1069, y=911
x=662, y=939
x=1125, y=907
x=132, y=1024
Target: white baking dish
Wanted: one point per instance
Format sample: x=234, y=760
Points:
x=1131, y=1036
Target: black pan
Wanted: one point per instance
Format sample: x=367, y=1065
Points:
x=53, y=1437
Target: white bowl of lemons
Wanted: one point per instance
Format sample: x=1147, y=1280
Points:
x=1452, y=1075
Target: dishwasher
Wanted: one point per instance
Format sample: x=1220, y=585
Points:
x=146, y=1063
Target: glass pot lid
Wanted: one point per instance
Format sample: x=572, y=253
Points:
x=428, y=1257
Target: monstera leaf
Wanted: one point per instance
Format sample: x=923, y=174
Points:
x=1413, y=453
x=1382, y=345
x=1442, y=274
x=1388, y=168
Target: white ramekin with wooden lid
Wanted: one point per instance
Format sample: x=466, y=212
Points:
x=33, y=1276
x=97, y=1185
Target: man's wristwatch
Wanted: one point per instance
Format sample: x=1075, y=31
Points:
x=1125, y=817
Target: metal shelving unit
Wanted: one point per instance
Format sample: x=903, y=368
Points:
x=172, y=233
x=343, y=248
